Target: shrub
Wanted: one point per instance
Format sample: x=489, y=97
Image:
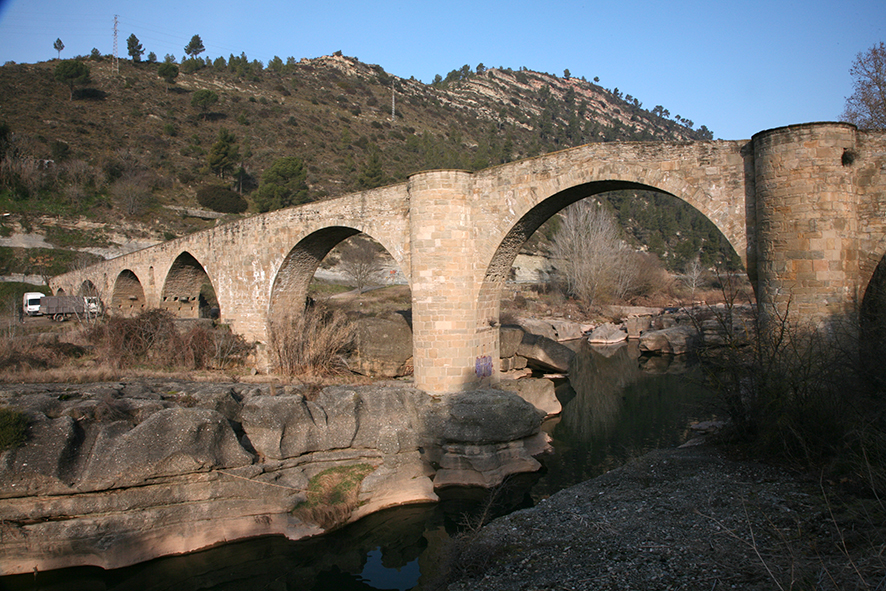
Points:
x=795, y=392
x=20, y=355
x=221, y=199
x=332, y=495
x=151, y=339
x=312, y=343
x=13, y=428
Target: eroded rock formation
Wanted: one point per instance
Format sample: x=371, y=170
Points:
x=116, y=474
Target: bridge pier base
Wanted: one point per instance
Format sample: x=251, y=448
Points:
x=454, y=349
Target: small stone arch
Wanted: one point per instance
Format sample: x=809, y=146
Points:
x=188, y=291
x=128, y=297
x=88, y=288
x=60, y=292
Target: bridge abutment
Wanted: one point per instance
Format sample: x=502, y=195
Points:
x=806, y=221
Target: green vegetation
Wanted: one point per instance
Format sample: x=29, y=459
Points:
x=203, y=99
x=224, y=154
x=332, y=495
x=282, y=185
x=195, y=46
x=13, y=428
x=11, y=293
x=72, y=72
x=134, y=48
x=169, y=72
x=221, y=199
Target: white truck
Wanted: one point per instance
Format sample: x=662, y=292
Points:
x=31, y=303
x=60, y=308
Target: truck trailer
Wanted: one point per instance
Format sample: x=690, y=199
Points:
x=60, y=308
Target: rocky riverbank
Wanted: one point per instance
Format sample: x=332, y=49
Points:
x=119, y=473
x=681, y=519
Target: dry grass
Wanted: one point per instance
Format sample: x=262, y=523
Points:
x=312, y=343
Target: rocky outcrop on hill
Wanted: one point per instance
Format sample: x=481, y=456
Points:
x=115, y=474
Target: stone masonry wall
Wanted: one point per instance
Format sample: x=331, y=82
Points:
x=801, y=205
x=807, y=219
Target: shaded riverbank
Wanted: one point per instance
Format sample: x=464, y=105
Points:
x=686, y=518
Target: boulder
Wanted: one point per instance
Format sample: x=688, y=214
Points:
x=382, y=347
x=607, y=334
x=509, y=337
x=280, y=427
x=545, y=353
x=43, y=463
x=170, y=442
x=566, y=330
x=481, y=437
x=482, y=417
x=539, y=327
x=483, y=465
x=512, y=363
x=675, y=340
x=637, y=325
x=540, y=393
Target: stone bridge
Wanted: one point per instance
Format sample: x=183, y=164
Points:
x=804, y=206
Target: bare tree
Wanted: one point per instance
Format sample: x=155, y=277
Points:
x=866, y=108
x=694, y=276
x=133, y=192
x=361, y=262
x=592, y=260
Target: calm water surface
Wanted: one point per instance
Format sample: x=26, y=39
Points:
x=616, y=406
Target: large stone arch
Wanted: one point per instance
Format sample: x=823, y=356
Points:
x=507, y=249
x=128, y=296
x=185, y=288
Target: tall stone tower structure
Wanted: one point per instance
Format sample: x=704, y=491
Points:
x=806, y=210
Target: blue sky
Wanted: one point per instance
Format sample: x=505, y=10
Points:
x=738, y=67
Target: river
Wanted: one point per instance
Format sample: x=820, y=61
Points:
x=617, y=405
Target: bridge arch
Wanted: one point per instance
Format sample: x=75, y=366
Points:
x=128, y=295
x=88, y=288
x=872, y=314
x=188, y=291
x=289, y=289
x=506, y=251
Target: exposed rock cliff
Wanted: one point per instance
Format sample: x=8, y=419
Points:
x=115, y=474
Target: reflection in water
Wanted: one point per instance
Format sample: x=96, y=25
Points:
x=623, y=406
x=616, y=406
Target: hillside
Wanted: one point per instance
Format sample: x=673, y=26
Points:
x=126, y=149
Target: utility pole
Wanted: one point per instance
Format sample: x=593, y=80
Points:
x=393, y=107
x=116, y=68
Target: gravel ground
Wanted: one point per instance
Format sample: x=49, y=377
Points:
x=681, y=519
